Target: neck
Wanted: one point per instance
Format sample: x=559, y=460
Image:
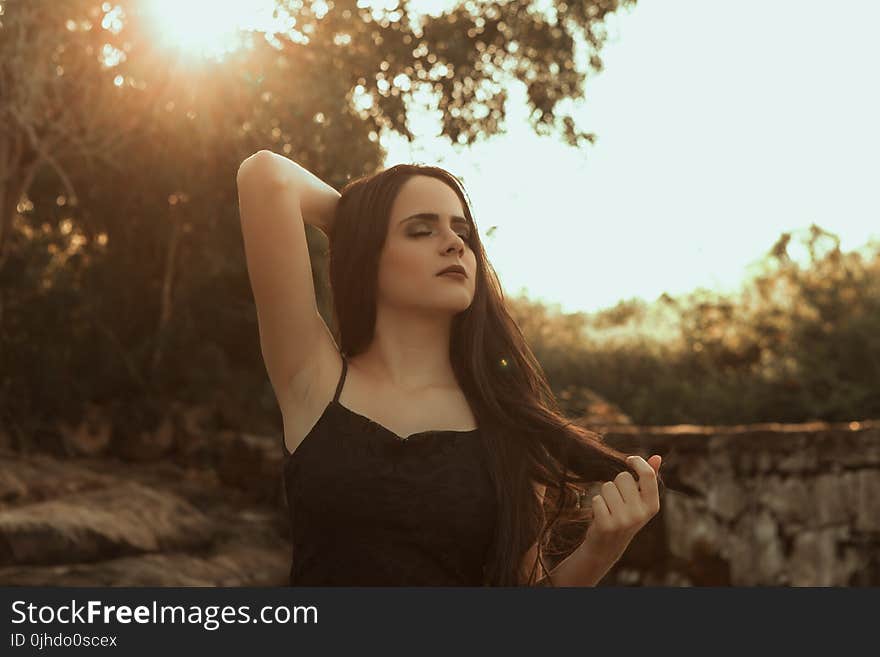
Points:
x=409, y=351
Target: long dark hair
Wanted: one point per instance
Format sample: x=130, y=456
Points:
x=528, y=437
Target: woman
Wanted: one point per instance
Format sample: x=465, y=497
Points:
x=427, y=448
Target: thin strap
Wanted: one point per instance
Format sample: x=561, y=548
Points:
x=287, y=452
x=341, y=378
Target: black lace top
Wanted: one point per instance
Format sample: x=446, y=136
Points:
x=371, y=508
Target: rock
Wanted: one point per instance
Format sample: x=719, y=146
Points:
x=814, y=560
x=769, y=558
x=727, y=498
x=693, y=527
x=145, y=444
x=802, y=457
x=98, y=521
x=867, y=514
x=834, y=499
x=234, y=565
x=29, y=479
x=100, y=524
x=91, y=435
x=754, y=550
x=787, y=498
x=695, y=472
x=193, y=428
x=253, y=463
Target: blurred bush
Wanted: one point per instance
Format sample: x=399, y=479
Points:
x=800, y=341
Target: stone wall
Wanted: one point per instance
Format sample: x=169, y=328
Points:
x=758, y=505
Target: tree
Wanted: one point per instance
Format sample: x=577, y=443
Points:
x=136, y=147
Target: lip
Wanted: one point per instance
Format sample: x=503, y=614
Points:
x=454, y=274
x=454, y=269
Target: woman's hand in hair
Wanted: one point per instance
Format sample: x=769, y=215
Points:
x=624, y=507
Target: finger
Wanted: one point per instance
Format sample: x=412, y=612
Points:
x=601, y=514
x=629, y=489
x=655, y=461
x=613, y=499
x=641, y=466
x=647, y=479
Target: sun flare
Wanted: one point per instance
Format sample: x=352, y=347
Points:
x=207, y=27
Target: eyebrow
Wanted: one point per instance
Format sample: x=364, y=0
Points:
x=433, y=216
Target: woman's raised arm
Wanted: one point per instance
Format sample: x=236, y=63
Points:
x=274, y=195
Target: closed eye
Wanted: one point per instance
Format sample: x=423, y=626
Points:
x=466, y=236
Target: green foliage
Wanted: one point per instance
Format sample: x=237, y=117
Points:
x=799, y=342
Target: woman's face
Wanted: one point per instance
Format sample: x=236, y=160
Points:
x=417, y=248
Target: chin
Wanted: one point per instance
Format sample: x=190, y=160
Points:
x=460, y=308
x=453, y=308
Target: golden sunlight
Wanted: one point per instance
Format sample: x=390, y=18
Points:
x=207, y=27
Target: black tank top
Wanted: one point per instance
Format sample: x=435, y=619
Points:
x=370, y=508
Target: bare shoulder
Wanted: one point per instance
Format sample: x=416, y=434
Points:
x=309, y=392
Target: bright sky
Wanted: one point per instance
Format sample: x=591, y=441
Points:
x=720, y=125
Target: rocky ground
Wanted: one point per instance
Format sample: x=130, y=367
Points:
x=104, y=521
x=790, y=505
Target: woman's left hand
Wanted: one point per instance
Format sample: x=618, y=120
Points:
x=624, y=507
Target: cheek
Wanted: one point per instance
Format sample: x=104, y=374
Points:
x=472, y=266
x=403, y=262
x=402, y=270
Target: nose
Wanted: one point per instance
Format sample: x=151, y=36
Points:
x=457, y=243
